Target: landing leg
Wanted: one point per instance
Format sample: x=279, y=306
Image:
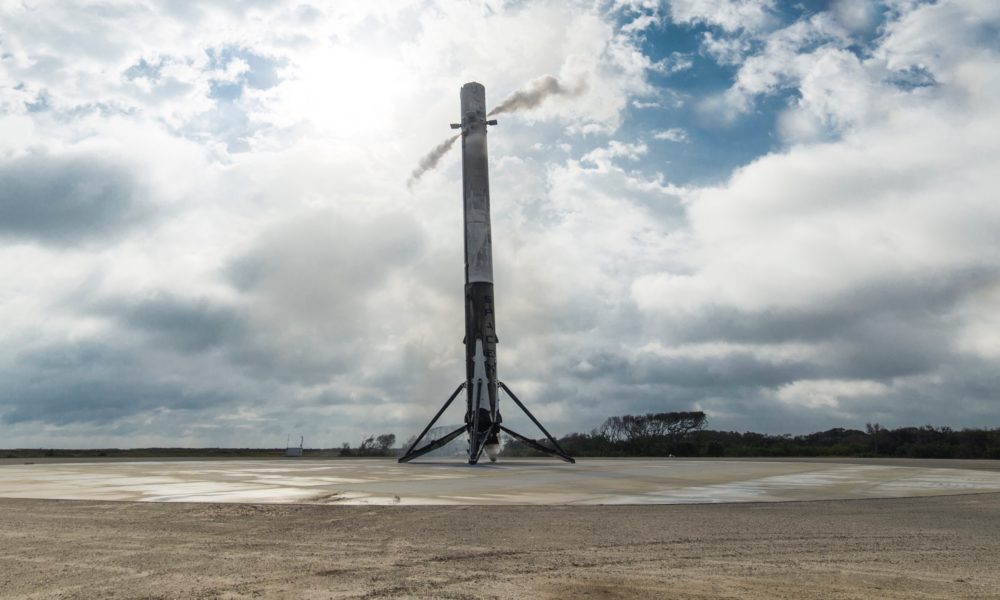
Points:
x=558, y=451
x=475, y=447
x=411, y=453
x=537, y=446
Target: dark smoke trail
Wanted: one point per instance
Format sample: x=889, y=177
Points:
x=431, y=160
x=535, y=93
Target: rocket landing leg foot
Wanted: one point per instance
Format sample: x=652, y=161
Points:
x=557, y=451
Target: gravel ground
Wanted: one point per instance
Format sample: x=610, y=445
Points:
x=940, y=547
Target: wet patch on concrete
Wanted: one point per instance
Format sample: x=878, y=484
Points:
x=535, y=482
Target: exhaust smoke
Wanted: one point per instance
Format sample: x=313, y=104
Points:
x=530, y=96
x=431, y=160
x=535, y=93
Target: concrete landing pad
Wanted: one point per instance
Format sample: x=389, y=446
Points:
x=525, y=481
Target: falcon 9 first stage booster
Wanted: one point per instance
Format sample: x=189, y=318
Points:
x=482, y=415
x=480, y=326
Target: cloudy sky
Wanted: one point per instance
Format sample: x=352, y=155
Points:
x=783, y=214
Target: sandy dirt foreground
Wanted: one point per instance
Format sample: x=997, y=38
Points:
x=936, y=547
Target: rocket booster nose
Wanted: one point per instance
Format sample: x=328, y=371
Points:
x=474, y=87
x=473, y=97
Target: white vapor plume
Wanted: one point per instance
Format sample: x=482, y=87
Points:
x=536, y=92
x=431, y=160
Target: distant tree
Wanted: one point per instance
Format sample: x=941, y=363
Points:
x=613, y=429
x=376, y=445
x=652, y=433
x=385, y=441
x=873, y=431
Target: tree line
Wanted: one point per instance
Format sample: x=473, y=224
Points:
x=651, y=434
x=380, y=445
x=684, y=434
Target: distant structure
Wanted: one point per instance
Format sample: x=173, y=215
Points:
x=482, y=415
x=292, y=451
